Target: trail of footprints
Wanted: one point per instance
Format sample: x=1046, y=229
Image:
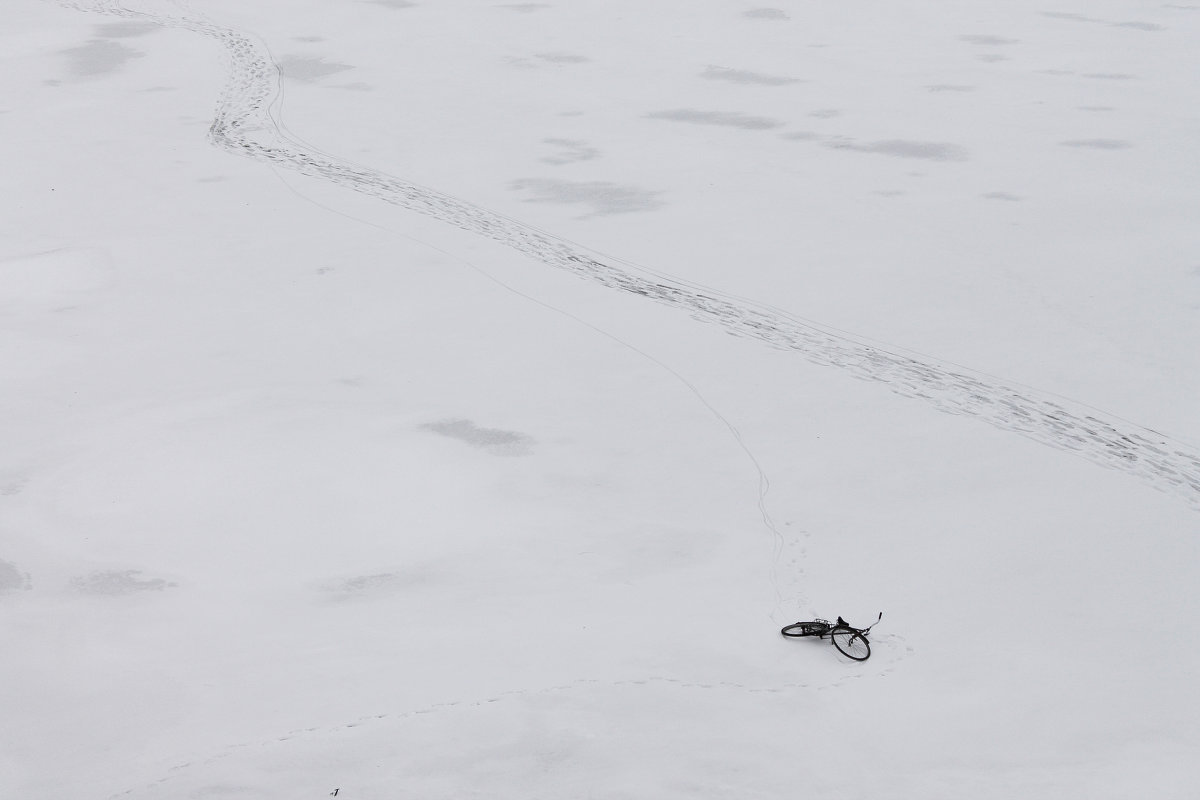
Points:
x=244, y=125
x=898, y=649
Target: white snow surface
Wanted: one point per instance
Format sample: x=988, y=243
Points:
x=453, y=399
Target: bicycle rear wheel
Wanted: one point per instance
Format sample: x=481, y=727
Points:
x=851, y=644
x=799, y=629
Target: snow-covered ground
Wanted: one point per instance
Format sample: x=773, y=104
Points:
x=453, y=399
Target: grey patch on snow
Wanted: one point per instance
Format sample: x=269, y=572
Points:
x=1135, y=24
x=605, y=198
x=723, y=118
x=745, y=76
x=571, y=151
x=766, y=13
x=12, y=579
x=825, y=113
x=12, y=485
x=308, y=39
x=213, y=179
x=1098, y=144
x=903, y=148
x=125, y=30
x=1139, y=26
x=525, y=8
x=950, y=87
x=160, y=89
x=393, y=3
x=494, y=440
x=1096, y=108
x=1056, y=71
x=357, y=86
x=801, y=136
x=992, y=58
x=115, y=583
x=1003, y=196
x=99, y=56
x=563, y=58
x=1070, y=16
x=366, y=585
x=1111, y=76
x=997, y=41
x=308, y=68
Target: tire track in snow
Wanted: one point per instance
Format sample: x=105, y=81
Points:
x=245, y=124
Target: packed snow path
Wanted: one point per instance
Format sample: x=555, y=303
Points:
x=246, y=124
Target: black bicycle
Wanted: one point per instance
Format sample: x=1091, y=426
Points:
x=850, y=641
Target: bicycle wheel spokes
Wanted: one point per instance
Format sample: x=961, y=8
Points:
x=852, y=644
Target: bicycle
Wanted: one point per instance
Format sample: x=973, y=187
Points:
x=850, y=641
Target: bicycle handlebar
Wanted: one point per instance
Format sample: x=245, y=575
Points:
x=845, y=624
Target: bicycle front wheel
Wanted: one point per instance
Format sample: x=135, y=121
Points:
x=852, y=644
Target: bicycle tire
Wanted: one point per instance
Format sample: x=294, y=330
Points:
x=798, y=630
x=851, y=644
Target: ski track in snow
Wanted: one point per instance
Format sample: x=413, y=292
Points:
x=245, y=124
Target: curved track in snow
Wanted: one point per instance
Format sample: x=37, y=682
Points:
x=244, y=125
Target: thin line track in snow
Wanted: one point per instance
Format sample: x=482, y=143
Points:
x=764, y=482
x=258, y=747
x=247, y=123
